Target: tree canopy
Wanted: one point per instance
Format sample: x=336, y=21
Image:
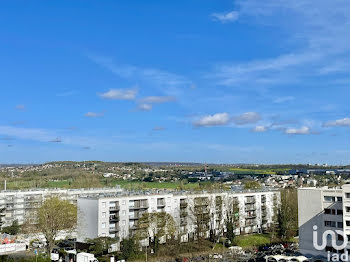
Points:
x=53, y=216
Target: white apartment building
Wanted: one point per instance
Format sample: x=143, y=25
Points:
x=20, y=205
x=328, y=209
x=118, y=215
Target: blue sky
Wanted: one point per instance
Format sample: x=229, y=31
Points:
x=198, y=80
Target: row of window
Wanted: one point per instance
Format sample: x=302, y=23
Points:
x=333, y=198
x=333, y=224
x=333, y=211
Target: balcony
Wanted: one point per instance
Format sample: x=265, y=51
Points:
x=114, y=208
x=113, y=218
x=250, y=201
x=114, y=229
x=183, y=204
x=250, y=208
x=136, y=216
x=160, y=203
x=145, y=206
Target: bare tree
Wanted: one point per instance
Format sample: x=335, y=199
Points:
x=157, y=226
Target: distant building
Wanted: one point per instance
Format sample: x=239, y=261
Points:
x=117, y=216
x=21, y=205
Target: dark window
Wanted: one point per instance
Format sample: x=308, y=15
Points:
x=340, y=238
x=329, y=223
x=348, y=223
x=347, y=195
x=330, y=198
x=339, y=199
x=333, y=211
x=340, y=224
x=327, y=211
x=339, y=212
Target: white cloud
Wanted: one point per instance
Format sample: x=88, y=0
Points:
x=283, y=99
x=157, y=99
x=119, y=94
x=93, y=114
x=260, y=129
x=247, y=118
x=156, y=76
x=218, y=119
x=317, y=29
x=225, y=17
x=145, y=107
x=338, y=122
x=304, y=130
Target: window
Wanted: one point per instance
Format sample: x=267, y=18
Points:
x=103, y=225
x=327, y=211
x=347, y=209
x=340, y=238
x=103, y=204
x=339, y=199
x=124, y=202
x=347, y=195
x=329, y=223
x=348, y=223
x=123, y=212
x=329, y=198
x=339, y=212
x=124, y=222
x=340, y=224
x=103, y=214
x=333, y=211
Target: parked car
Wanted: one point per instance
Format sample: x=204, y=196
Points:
x=38, y=244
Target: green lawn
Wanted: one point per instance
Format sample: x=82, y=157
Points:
x=255, y=240
x=157, y=185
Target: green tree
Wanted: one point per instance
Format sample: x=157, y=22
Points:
x=99, y=246
x=13, y=229
x=252, y=185
x=54, y=216
x=287, y=214
x=232, y=217
x=128, y=248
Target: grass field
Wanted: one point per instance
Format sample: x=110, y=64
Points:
x=247, y=241
x=156, y=185
x=23, y=184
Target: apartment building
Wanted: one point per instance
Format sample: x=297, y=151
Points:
x=21, y=205
x=327, y=209
x=117, y=216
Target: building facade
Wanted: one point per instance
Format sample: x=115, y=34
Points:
x=319, y=210
x=118, y=216
x=21, y=205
